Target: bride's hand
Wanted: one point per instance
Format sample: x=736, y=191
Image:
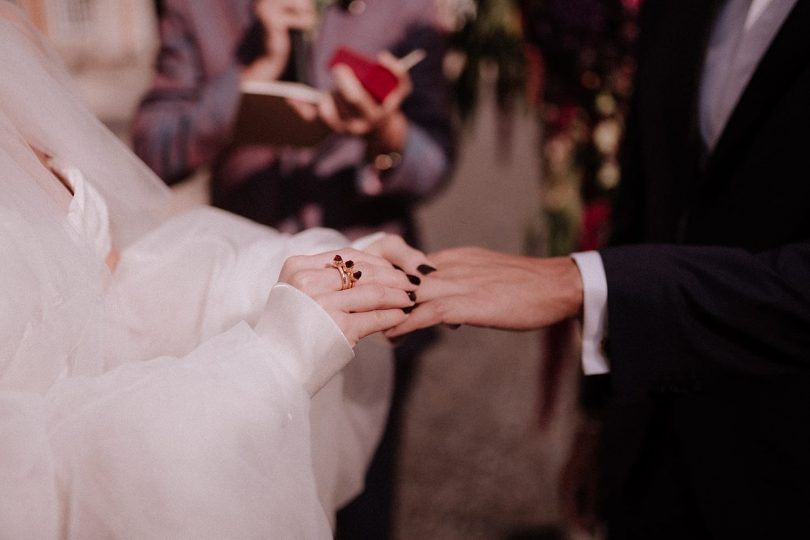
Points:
x=396, y=251
x=377, y=301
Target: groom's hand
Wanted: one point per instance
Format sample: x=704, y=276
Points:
x=485, y=288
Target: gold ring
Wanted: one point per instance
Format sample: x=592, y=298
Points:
x=347, y=277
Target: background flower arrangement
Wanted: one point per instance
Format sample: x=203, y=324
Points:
x=572, y=62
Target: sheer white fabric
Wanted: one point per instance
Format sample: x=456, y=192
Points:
x=167, y=399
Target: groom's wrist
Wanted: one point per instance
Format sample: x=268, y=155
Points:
x=571, y=288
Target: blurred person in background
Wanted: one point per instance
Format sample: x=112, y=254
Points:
x=381, y=161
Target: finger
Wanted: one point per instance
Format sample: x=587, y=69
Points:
x=313, y=274
x=322, y=260
x=353, y=92
x=435, y=287
x=263, y=10
x=347, y=118
x=307, y=111
x=371, y=322
x=352, y=120
x=351, y=254
x=299, y=21
x=369, y=297
x=395, y=250
x=298, y=6
x=328, y=112
x=386, y=275
x=394, y=100
x=298, y=14
x=391, y=63
x=345, y=109
x=428, y=314
x=277, y=42
x=314, y=282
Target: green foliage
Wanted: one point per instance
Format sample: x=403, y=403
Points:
x=493, y=36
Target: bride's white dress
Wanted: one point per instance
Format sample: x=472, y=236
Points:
x=192, y=404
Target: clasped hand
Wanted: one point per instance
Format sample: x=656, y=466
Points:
x=472, y=286
x=381, y=295
x=479, y=287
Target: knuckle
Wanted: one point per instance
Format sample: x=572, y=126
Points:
x=305, y=280
x=350, y=95
x=440, y=308
x=294, y=262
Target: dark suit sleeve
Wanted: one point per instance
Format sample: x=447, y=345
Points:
x=683, y=317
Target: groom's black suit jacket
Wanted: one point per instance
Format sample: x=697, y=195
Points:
x=709, y=294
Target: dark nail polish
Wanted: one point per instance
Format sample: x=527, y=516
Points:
x=397, y=268
x=414, y=279
x=349, y=264
x=338, y=258
x=408, y=309
x=358, y=274
x=425, y=269
x=412, y=296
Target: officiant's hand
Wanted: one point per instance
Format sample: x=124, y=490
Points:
x=377, y=301
x=278, y=17
x=479, y=287
x=351, y=110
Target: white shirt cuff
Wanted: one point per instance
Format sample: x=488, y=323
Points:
x=594, y=319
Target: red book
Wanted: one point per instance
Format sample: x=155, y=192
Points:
x=375, y=78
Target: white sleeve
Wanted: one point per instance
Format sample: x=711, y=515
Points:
x=206, y=270
x=291, y=328
x=217, y=440
x=594, y=319
x=213, y=445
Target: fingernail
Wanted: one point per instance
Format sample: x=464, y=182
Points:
x=338, y=258
x=397, y=268
x=349, y=264
x=413, y=279
x=453, y=326
x=425, y=269
x=412, y=296
x=358, y=274
x=408, y=309
x=397, y=340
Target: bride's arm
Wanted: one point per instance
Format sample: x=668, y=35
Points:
x=215, y=444
x=206, y=270
x=212, y=445
x=375, y=302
